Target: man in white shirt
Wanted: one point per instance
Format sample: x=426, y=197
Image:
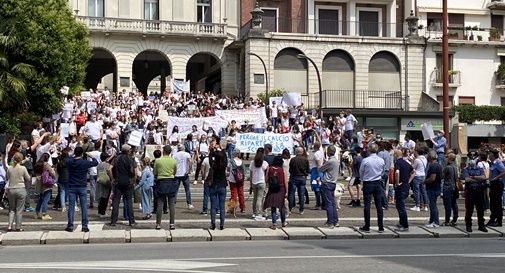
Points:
x=274, y=113
x=350, y=123
x=409, y=143
x=36, y=132
x=93, y=129
x=184, y=166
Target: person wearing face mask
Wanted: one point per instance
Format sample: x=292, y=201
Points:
x=475, y=189
x=439, y=143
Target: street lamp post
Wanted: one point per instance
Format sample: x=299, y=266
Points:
x=302, y=56
x=266, y=75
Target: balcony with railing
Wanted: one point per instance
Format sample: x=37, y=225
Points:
x=330, y=27
x=123, y=25
x=454, y=78
x=462, y=33
x=358, y=99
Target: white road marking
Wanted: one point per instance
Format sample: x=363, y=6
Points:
x=132, y=265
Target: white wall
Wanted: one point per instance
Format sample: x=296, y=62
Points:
x=477, y=65
x=459, y=4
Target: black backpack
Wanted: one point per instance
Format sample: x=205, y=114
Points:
x=274, y=183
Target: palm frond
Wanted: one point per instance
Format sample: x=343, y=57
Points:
x=23, y=69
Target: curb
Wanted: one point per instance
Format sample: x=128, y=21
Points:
x=229, y=234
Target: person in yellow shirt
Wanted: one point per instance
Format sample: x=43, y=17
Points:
x=167, y=186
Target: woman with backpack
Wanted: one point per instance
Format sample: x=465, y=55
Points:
x=236, y=182
x=217, y=187
x=44, y=185
x=277, y=191
x=103, y=185
x=257, y=175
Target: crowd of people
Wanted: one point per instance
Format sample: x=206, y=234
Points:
x=91, y=163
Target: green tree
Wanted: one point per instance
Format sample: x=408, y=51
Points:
x=53, y=42
x=272, y=93
x=13, y=77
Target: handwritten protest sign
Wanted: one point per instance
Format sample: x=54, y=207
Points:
x=150, y=150
x=249, y=143
x=85, y=95
x=135, y=138
x=64, y=129
x=278, y=100
x=427, y=130
x=185, y=124
x=257, y=116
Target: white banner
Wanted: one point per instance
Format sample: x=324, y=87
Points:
x=249, y=143
x=85, y=95
x=179, y=86
x=257, y=116
x=64, y=129
x=64, y=90
x=292, y=99
x=150, y=150
x=278, y=100
x=185, y=124
x=427, y=130
x=135, y=138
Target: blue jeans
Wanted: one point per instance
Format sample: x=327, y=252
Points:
x=147, y=196
x=217, y=199
x=274, y=215
x=229, y=150
x=400, y=197
x=328, y=190
x=92, y=189
x=373, y=188
x=73, y=194
x=43, y=201
x=185, y=182
x=274, y=123
x=419, y=189
x=63, y=194
x=432, y=197
x=441, y=159
x=349, y=134
x=384, y=184
x=450, y=205
x=206, y=194
x=297, y=183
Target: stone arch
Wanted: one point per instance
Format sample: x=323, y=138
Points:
x=204, y=71
x=384, y=81
x=101, y=71
x=149, y=65
x=290, y=72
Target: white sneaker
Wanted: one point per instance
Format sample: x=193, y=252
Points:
x=348, y=179
x=415, y=208
x=425, y=208
x=203, y=181
x=432, y=225
x=254, y=216
x=196, y=182
x=77, y=209
x=191, y=206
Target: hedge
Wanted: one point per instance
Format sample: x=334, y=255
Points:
x=471, y=113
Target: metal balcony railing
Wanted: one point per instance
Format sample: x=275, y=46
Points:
x=357, y=99
x=153, y=27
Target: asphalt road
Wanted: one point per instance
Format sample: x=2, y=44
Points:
x=391, y=256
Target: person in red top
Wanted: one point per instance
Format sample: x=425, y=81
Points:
x=277, y=191
x=80, y=120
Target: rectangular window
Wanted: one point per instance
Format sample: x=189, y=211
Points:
x=259, y=79
x=204, y=11
x=456, y=26
x=124, y=81
x=151, y=10
x=269, y=20
x=434, y=21
x=502, y=101
x=96, y=8
x=440, y=100
x=328, y=21
x=369, y=23
x=440, y=66
x=466, y=100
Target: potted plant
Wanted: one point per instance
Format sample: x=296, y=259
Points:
x=468, y=28
x=475, y=28
x=479, y=37
x=452, y=75
x=494, y=34
x=500, y=74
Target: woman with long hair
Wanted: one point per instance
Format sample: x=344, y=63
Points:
x=277, y=191
x=16, y=193
x=217, y=189
x=61, y=169
x=257, y=174
x=44, y=191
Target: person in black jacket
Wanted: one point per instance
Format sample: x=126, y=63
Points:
x=124, y=174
